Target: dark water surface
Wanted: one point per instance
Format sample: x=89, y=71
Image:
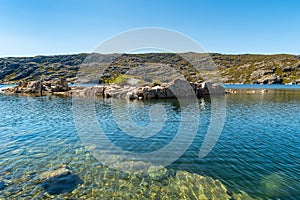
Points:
x=258, y=151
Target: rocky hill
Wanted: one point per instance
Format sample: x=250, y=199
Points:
x=15, y=69
x=266, y=69
x=246, y=68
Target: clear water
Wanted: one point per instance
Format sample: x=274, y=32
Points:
x=261, y=86
x=258, y=151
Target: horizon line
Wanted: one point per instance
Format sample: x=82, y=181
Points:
x=78, y=53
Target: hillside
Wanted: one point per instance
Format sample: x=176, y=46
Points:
x=249, y=68
x=246, y=68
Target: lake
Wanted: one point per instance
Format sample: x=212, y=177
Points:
x=258, y=151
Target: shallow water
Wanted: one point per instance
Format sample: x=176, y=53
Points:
x=258, y=151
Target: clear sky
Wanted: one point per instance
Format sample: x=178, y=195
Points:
x=36, y=27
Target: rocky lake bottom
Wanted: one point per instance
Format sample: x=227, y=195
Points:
x=257, y=155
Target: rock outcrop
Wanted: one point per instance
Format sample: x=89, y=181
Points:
x=39, y=87
x=270, y=79
x=174, y=89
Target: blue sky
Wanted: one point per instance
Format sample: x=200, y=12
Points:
x=36, y=27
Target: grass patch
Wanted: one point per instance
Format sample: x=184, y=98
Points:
x=156, y=83
x=124, y=79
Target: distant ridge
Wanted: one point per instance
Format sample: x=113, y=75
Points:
x=240, y=68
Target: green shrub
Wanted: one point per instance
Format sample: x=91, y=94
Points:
x=121, y=79
x=156, y=83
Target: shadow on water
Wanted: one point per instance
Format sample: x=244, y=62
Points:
x=61, y=184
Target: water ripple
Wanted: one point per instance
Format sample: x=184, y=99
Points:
x=258, y=151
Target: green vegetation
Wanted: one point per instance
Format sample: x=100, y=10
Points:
x=124, y=79
x=121, y=79
x=156, y=83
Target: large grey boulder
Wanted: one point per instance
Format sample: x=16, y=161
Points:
x=179, y=88
x=94, y=91
x=60, y=85
x=34, y=87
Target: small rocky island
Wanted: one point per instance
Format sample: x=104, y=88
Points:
x=173, y=89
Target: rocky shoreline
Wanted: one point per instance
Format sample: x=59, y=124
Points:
x=174, y=89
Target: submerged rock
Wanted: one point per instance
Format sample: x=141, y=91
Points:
x=60, y=180
x=158, y=174
x=61, y=184
x=2, y=185
x=275, y=185
x=61, y=171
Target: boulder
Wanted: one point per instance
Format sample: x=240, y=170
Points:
x=139, y=92
x=60, y=181
x=34, y=87
x=151, y=93
x=169, y=92
x=217, y=89
x=161, y=92
x=22, y=84
x=131, y=96
x=94, y=91
x=60, y=85
x=179, y=88
x=108, y=92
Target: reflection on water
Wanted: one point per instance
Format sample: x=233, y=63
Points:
x=258, y=151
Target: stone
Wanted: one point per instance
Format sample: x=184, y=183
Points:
x=139, y=92
x=60, y=85
x=158, y=174
x=152, y=94
x=63, y=170
x=131, y=96
x=217, y=89
x=179, y=88
x=160, y=92
x=94, y=91
x=2, y=185
x=60, y=180
x=33, y=87
x=23, y=84
x=169, y=93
